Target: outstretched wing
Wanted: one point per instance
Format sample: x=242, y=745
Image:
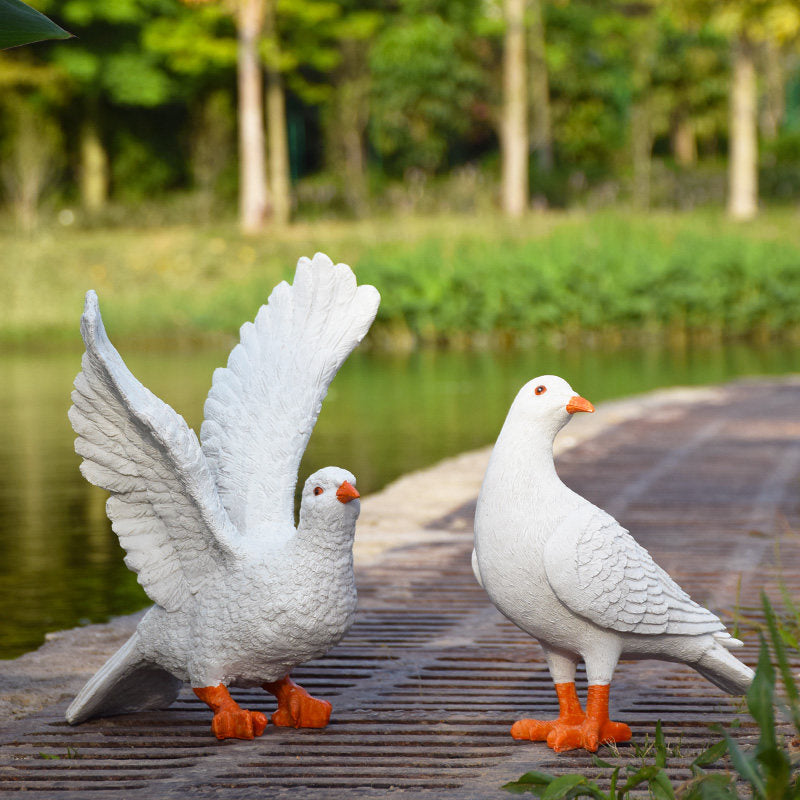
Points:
x=263, y=406
x=599, y=571
x=164, y=505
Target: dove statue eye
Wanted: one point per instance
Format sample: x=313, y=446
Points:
x=318, y=490
x=540, y=389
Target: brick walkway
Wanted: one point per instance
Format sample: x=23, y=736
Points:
x=430, y=678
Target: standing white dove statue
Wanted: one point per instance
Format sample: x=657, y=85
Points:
x=570, y=575
x=241, y=596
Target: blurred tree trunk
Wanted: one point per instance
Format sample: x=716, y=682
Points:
x=94, y=170
x=31, y=158
x=541, y=127
x=644, y=31
x=683, y=139
x=253, y=192
x=211, y=146
x=774, y=107
x=641, y=149
x=743, y=147
x=347, y=123
x=276, y=122
x=514, y=133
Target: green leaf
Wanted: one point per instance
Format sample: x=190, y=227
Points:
x=661, y=747
x=532, y=781
x=661, y=787
x=745, y=767
x=712, y=787
x=612, y=789
x=20, y=24
x=643, y=775
x=760, y=697
x=562, y=786
x=711, y=755
x=598, y=762
x=783, y=662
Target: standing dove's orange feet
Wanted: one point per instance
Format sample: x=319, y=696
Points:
x=598, y=728
x=296, y=707
x=231, y=721
x=570, y=716
x=573, y=729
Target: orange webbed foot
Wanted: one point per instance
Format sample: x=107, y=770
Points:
x=570, y=717
x=598, y=728
x=296, y=707
x=573, y=729
x=615, y=732
x=231, y=721
x=238, y=724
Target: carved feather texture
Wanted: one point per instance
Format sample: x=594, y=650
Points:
x=164, y=506
x=263, y=406
x=598, y=570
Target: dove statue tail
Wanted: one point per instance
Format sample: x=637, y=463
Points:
x=125, y=683
x=724, y=670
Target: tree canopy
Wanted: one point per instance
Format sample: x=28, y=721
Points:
x=380, y=92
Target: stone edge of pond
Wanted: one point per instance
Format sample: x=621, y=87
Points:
x=416, y=509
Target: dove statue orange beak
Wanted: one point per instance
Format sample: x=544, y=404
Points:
x=347, y=492
x=579, y=403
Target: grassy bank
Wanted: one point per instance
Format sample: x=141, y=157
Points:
x=456, y=280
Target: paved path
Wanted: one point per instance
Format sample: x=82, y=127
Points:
x=428, y=681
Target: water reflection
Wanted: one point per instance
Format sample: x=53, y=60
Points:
x=60, y=564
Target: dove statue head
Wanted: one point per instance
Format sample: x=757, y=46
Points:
x=330, y=501
x=547, y=403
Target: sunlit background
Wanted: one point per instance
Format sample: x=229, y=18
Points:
x=610, y=192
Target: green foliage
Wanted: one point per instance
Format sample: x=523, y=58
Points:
x=443, y=279
x=426, y=84
x=71, y=753
x=588, y=59
x=140, y=168
x=109, y=59
x=20, y=24
x=617, y=274
x=767, y=769
x=413, y=88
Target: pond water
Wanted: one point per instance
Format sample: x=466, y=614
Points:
x=60, y=563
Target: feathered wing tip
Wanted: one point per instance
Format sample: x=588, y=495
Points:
x=264, y=404
x=93, y=330
x=124, y=684
x=164, y=506
x=728, y=641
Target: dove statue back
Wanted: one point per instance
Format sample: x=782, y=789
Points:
x=241, y=596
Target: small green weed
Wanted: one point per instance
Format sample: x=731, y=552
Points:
x=71, y=753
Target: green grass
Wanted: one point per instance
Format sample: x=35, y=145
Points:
x=443, y=279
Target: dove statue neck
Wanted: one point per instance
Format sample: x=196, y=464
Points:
x=521, y=496
x=525, y=446
x=318, y=533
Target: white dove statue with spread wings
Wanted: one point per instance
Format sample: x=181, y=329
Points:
x=569, y=574
x=241, y=595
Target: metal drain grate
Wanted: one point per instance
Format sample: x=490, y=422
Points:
x=428, y=681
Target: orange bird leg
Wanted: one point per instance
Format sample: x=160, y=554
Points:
x=597, y=728
x=296, y=707
x=570, y=716
x=231, y=721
